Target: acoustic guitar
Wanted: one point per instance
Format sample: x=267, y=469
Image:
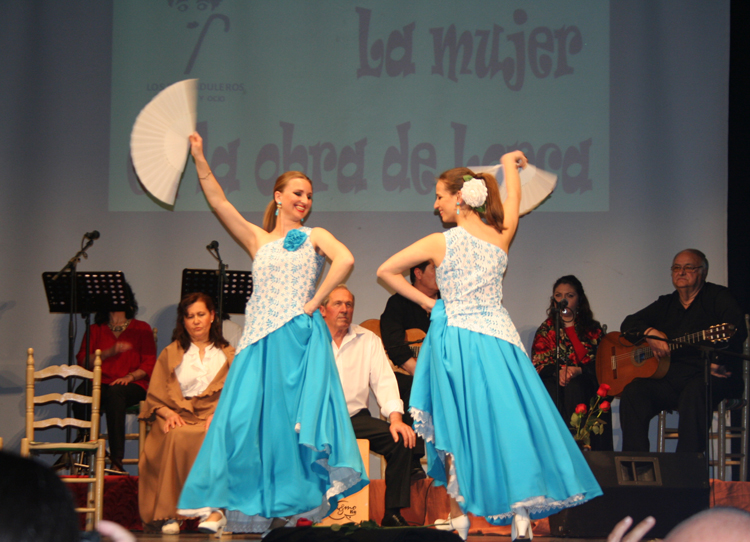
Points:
x=413, y=339
x=619, y=361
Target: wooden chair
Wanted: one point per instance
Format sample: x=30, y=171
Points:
x=93, y=447
x=373, y=324
x=728, y=432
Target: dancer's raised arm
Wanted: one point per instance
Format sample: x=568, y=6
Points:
x=511, y=162
x=430, y=248
x=342, y=262
x=245, y=232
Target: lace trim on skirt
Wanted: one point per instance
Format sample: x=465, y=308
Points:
x=341, y=478
x=424, y=428
x=538, y=505
x=423, y=424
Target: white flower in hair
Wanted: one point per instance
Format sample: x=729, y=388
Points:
x=474, y=192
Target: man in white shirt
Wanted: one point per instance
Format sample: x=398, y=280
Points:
x=363, y=365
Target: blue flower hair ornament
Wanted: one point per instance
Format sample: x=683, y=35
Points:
x=294, y=240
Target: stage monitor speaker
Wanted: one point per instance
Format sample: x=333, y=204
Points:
x=351, y=533
x=669, y=486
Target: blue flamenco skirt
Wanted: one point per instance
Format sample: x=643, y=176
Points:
x=281, y=443
x=479, y=399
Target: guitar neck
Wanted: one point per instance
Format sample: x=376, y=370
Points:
x=414, y=338
x=691, y=338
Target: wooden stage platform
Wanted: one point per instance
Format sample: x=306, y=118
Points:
x=429, y=502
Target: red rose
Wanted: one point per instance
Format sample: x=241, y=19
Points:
x=603, y=390
x=581, y=409
x=605, y=406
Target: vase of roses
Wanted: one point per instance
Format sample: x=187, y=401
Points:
x=586, y=420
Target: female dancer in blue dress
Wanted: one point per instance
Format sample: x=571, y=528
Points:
x=493, y=435
x=280, y=444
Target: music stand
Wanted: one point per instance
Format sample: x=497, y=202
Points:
x=237, y=288
x=94, y=291
x=84, y=294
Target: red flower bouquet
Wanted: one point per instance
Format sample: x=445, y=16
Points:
x=583, y=425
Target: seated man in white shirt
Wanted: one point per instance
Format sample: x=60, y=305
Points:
x=362, y=366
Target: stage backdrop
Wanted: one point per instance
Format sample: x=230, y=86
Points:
x=625, y=101
x=371, y=102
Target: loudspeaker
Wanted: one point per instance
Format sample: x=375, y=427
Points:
x=669, y=486
x=352, y=533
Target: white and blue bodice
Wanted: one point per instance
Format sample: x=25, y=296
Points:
x=470, y=280
x=285, y=273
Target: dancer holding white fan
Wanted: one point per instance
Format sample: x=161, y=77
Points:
x=281, y=443
x=492, y=433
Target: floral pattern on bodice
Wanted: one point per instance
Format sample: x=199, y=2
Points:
x=283, y=281
x=470, y=280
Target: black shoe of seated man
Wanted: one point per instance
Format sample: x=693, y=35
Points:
x=393, y=520
x=417, y=473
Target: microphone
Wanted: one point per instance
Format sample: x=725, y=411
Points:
x=213, y=245
x=562, y=307
x=92, y=235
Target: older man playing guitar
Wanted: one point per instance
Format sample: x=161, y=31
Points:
x=694, y=307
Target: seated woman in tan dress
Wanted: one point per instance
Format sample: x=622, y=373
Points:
x=182, y=396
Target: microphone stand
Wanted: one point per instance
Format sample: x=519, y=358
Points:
x=558, y=353
x=72, y=266
x=213, y=249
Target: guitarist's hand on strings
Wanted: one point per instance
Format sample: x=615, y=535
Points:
x=659, y=348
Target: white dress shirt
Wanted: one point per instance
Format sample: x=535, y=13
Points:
x=195, y=375
x=362, y=366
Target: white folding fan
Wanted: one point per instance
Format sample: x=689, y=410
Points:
x=536, y=184
x=159, y=141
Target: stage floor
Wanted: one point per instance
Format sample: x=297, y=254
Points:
x=428, y=503
x=197, y=537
